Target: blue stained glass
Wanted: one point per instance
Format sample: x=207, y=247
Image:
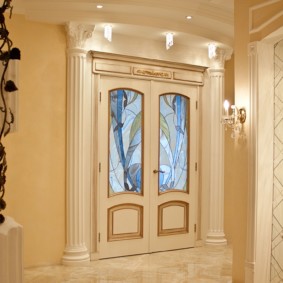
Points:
x=125, y=141
x=173, y=148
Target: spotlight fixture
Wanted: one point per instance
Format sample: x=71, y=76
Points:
x=212, y=50
x=169, y=40
x=108, y=32
x=99, y=6
x=235, y=120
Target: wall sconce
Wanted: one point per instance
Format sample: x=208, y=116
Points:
x=212, y=50
x=108, y=32
x=169, y=40
x=235, y=120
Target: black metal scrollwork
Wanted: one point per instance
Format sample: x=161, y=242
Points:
x=7, y=53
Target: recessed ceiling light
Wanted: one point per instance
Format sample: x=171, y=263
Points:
x=189, y=17
x=99, y=6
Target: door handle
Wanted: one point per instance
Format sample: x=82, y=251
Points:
x=158, y=171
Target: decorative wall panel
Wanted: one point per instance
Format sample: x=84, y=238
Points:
x=277, y=220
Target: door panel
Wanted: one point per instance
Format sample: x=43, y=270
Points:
x=147, y=151
x=172, y=200
x=123, y=182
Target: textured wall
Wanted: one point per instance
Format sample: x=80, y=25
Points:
x=35, y=191
x=277, y=231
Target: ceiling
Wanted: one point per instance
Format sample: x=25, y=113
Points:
x=212, y=20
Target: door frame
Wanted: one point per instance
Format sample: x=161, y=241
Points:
x=139, y=68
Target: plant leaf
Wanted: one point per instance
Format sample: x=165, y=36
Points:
x=136, y=125
x=164, y=127
x=10, y=86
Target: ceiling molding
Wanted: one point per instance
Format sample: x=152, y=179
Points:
x=212, y=19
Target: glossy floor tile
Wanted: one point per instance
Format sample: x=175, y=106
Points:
x=208, y=264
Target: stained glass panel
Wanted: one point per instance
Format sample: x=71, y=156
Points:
x=125, y=141
x=173, y=148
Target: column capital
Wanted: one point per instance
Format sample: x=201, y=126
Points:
x=216, y=72
x=252, y=51
x=222, y=55
x=78, y=34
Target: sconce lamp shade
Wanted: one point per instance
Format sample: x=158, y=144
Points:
x=235, y=120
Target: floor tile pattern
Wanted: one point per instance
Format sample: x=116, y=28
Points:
x=208, y=264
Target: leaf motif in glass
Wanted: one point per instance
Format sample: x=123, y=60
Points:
x=125, y=141
x=173, y=148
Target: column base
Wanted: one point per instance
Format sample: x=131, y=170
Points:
x=249, y=272
x=76, y=256
x=214, y=238
x=11, y=247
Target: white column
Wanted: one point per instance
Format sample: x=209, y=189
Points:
x=11, y=252
x=76, y=250
x=261, y=153
x=216, y=234
x=251, y=213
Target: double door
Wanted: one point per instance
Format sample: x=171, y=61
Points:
x=147, y=181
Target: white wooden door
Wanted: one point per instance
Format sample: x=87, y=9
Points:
x=147, y=154
x=173, y=159
x=123, y=215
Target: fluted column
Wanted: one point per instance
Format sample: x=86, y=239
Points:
x=216, y=72
x=262, y=153
x=76, y=250
x=251, y=214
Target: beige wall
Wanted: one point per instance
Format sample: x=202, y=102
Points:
x=228, y=161
x=240, y=153
x=240, y=181
x=35, y=189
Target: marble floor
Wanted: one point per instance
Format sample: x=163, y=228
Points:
x=208, y=264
